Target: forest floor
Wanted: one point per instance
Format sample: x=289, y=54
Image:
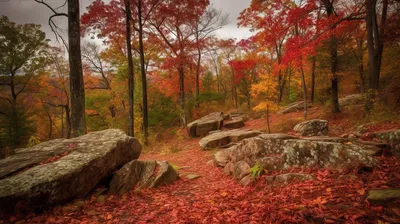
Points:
x=332, y=197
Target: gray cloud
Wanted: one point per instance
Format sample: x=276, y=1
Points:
x=28, y=11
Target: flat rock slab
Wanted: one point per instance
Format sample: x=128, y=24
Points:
x=313, y=127
x=192, y=176
x=223, y=138
x=326, y=139
x=95, y=156
x=288, y=177
x=349, y=100
x=234, y=124
x=204, y=125
x=142, y=174
x=383, y=195
x=28, y=157
x=293, y=107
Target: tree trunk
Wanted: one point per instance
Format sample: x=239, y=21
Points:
x=313, y=79
x=143, y=73
x=269, y=129
x=333, y=51
x=68, y=121
x=375, y=41
x=198, y=73
x=131, y=119
x=234, y=92
x=77, y=87
x=303, y=80
x=182, y=94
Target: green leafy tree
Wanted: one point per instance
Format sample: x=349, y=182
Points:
x=22, y=56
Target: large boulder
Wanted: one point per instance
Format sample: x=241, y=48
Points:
x=223, y=138
x=251, y=149
x=142, y=174
x=391, y=137
x=351, y=100
x=204, y=125
x=89, y=159
x=276, y=152
x=313, y=127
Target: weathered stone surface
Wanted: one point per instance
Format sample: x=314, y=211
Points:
x=141, y=174
x=327, y=139
x=235, y=123
x=293, y=107
x=228, y=169
x=303, y=153
x=312, y=128
x=383, y=195
x=240, y=169
x=391, y=137
x=223, y=138
x=165, y=175
x=252, y=149
x=204, y=125
x=288, y=177
x=351, y=100
x=28, y=157
x=280, y=152
x=245, y=181
x=134, y=173
x=239, y=115
x=95, y=156
x=192, y=176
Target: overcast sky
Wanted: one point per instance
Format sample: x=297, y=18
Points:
x=28, y=11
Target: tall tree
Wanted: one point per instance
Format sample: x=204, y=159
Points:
x=172, y=26
x=78, y=123
x=22, y=48
x=131, y=79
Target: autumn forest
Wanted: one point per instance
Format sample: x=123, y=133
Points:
x=157, y=70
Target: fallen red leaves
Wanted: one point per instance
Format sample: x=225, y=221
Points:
x=332, y=197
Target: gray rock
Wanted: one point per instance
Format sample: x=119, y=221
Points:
x=233, y=124
x=312, y=128
x=204, y=125
x=252, y=149
x=141, y=174
x=303, y=153
x=383, y=195
x=223, y=138
x=94, y=156
x=392, y=138
x=288, y=177
x=192, y=176
x=293, y=107
x=276, y=152
x=245, y=181
x=228, y=169
x=327, y=139
x=240, y=169
x=351, y=100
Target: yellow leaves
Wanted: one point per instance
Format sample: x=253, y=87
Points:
x=319, y=201
x=265, y=89
x=361, y=191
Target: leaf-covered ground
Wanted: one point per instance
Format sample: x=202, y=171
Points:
x=215, y=198
x=332, y=197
